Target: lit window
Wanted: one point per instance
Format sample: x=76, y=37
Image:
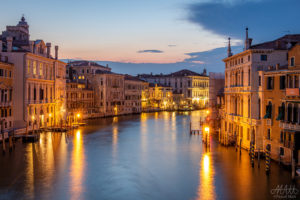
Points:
x=41, y=68
x=28, y=66
x=34, y=67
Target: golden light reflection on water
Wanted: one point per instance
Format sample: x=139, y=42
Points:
x=115, y=132
x=144, y=136
x=77, y=166
x=206, y=188
x=29, y=178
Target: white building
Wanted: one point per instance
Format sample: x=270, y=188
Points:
x=39, y=82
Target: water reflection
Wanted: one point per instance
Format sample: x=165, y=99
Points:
x=77, y=166
x=206, y=188
x=133, y=157
x=29, y=176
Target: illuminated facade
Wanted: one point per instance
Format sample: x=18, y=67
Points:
x=80, y=100
x=242, y=118
x=6, y=89
x=133, y=89
x=193, y=86
x=160, y=97
x=281, y=108
x=39, y=82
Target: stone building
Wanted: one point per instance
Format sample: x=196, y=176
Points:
x=6, y=89
x=39, y=78
x=109, y=96
x=242, y=119
x=133, y=89
x=160, y=97
x=80, y=100
x=280, y=110
x=193, y=86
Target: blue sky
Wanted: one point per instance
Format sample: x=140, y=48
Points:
x=137, y=36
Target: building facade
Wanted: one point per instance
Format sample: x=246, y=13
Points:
x=39, y=84
x=242, y=118
x=193, y=86
x=134, y=89
x=80, y=100
x=6, y=90
x=281, y=108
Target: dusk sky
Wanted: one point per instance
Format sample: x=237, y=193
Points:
x=163, y=35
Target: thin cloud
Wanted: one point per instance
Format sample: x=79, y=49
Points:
x=172, y=45
x=150, y=51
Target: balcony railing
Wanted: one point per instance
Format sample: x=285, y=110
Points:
x=288, y=144
x=289, y=126
x=5, y=104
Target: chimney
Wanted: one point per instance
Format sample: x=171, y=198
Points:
x=229, y=53
x=56, y=52
x=48, y=50
x=1, y=46
x=9, y=44
x=31, y=44
x=277, y=66
x=246, y=40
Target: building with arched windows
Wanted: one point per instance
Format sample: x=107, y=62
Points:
x=281, y=108
x=39, y=79
x=242, y=119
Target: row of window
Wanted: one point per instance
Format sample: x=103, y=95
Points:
x=292, y=81
x=6, y=112
x=6, y=95
x=33, y=110
x=39, y=69
x=5, y=73
x=237, y=61
x=79, y=95
x=288, y=114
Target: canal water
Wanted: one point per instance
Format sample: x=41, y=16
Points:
x=147, y=156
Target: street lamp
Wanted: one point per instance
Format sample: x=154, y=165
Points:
x=206, y=130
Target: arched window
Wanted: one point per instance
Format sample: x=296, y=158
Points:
x=289, y=112
x=295, y=113
x=259, y=102
x=249, y=102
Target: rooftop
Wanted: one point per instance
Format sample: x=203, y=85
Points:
x=181, y=73
x=282, y=43
x=85, y=63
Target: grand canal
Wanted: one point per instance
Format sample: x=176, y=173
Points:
x=147, y=156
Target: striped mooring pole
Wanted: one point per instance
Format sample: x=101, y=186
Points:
x=267, y=160
x=252, y=154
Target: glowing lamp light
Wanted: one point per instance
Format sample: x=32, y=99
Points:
x=78, y=115
x=50, y=115
x=206, y=129
x=207, y=111
x=32, y=117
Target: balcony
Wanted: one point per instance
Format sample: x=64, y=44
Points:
x=289, y=126
x=292, y=92
x=5, y=104
x=288, y=144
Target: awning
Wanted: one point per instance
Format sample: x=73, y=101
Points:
x=280, y=114
x=268, y=112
